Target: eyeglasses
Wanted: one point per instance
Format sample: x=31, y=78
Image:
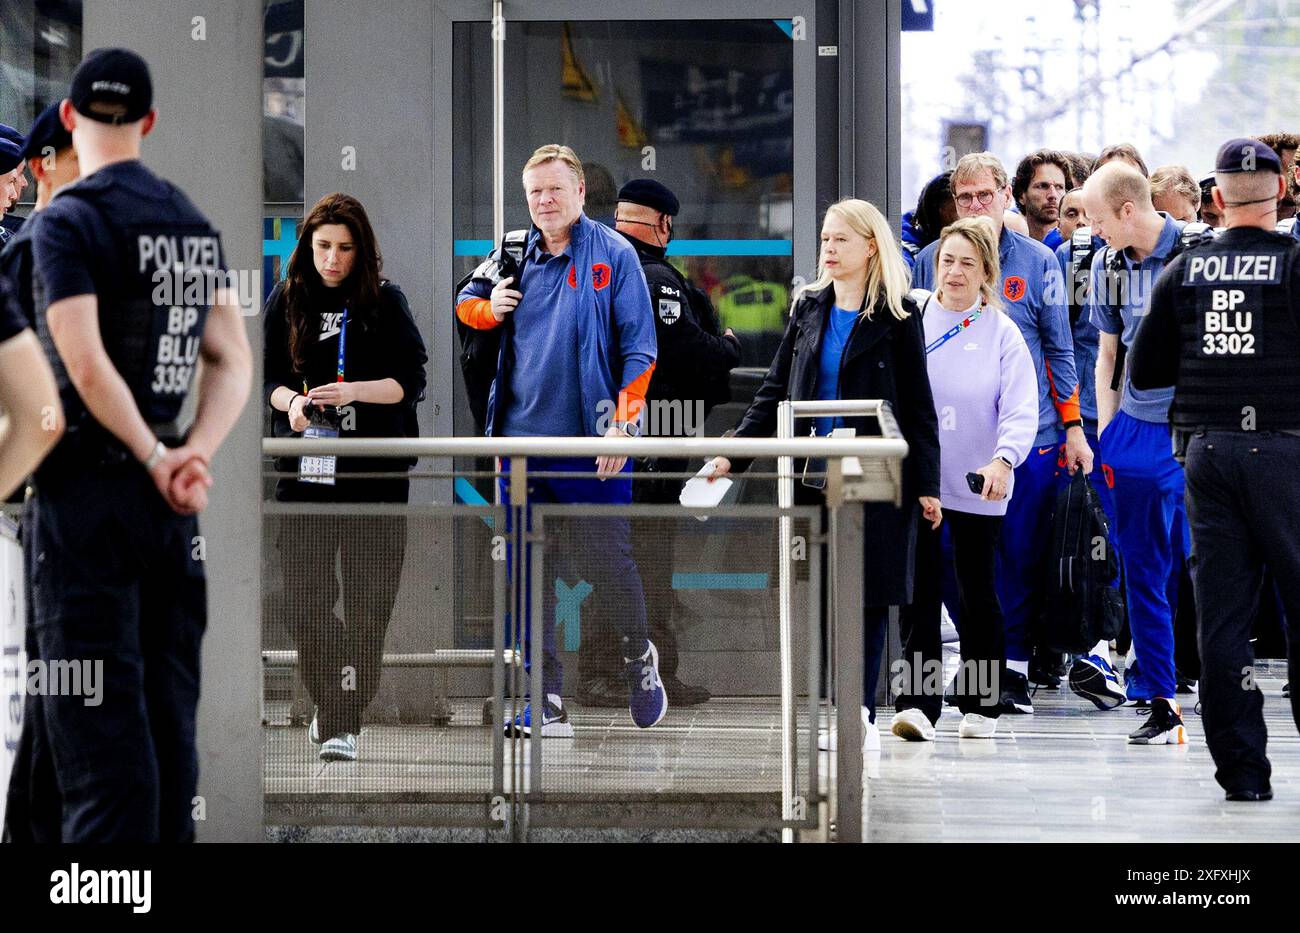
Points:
x=985, y=198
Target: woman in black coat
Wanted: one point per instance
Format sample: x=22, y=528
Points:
x=853, y=334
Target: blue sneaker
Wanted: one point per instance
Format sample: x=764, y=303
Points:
x=647, y=698
x=555, y=721
x=1092, y=678
x=1139, y=694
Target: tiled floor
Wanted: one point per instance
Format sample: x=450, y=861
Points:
x=1066, y=773
x=1063, y=774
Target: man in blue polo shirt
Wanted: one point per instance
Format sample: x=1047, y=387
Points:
x=1033, y=294
x=1151, y=524
x=577, y=352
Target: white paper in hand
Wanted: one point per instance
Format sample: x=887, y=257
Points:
x=699, y=493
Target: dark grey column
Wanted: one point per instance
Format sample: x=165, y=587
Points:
x=870, y=108
x=370, y=133
x=206, y=61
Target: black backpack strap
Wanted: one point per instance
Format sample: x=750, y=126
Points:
x=1082, y=254
x=1115, y=282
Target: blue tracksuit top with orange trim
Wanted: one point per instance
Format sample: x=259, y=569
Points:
x=1033, y=294
x=580, y=348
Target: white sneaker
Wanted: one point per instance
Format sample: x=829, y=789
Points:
x=340, y=748
x=912, y=724
x=827, y=741
x=948, y=633
x=871, y=737
x=975, y=726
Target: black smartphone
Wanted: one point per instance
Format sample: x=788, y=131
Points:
x=976, y=483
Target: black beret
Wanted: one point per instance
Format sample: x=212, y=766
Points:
x=46, y=131
x=1246, y=155
x=651, y=194
x=10, y=156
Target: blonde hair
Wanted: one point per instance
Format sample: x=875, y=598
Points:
x=555, y=152
x=1175, y=179
x=976, y=163
x=887, y=276
x=978, y=232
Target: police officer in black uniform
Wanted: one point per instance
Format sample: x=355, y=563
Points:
x=1222, y=327
x=10, y=159
x=691, y=376
x=130, y=294
x=34, y=811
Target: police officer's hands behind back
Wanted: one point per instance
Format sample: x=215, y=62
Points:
x=183, y=480
x=504, y=298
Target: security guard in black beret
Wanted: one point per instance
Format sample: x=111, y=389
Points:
x=691, y=376
x=1222, y=328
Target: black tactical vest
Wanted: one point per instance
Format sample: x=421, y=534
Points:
x=1240, y=353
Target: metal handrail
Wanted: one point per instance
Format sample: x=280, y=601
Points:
x=843, y=452
x=688, y=447
x=892, y=439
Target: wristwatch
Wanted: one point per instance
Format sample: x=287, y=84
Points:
x=155, y=456
x=630, y=428
x=1006, y=461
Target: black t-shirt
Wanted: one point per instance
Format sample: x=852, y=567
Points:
x=382, y=344
x=138, y=244
x=12, y=320
x=16, y=267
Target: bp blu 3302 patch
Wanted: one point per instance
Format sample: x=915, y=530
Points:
x=1226, y=324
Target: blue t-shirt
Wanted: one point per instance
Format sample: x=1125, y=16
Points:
x=1053, y=239
x=1143, y=404
x=834, y=340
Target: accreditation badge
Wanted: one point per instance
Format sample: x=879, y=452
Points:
x=318, y=469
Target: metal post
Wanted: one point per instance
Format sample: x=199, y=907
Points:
x=498, y=122
x=846, y=598
x=536, y=629
x=518, y=486
x=785, y=500
x=500, y=610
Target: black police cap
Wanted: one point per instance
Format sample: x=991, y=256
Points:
x=651, y=194
x=11, y=134
x=46, y=132
x=112, y=86
x=10, y=156
x=1244, y=154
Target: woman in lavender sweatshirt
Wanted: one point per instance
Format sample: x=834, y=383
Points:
x=986, y=398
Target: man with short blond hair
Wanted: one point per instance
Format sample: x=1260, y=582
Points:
x=577, y=352
x=1150, y=520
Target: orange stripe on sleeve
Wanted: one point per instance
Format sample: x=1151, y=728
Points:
x=1067, y=408
x=631, y=399
x=476, y=313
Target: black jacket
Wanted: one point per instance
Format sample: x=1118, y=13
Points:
x=384, y=345
x=694, y=360
x=884, y=358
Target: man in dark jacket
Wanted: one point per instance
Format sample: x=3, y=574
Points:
x=690, y=377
